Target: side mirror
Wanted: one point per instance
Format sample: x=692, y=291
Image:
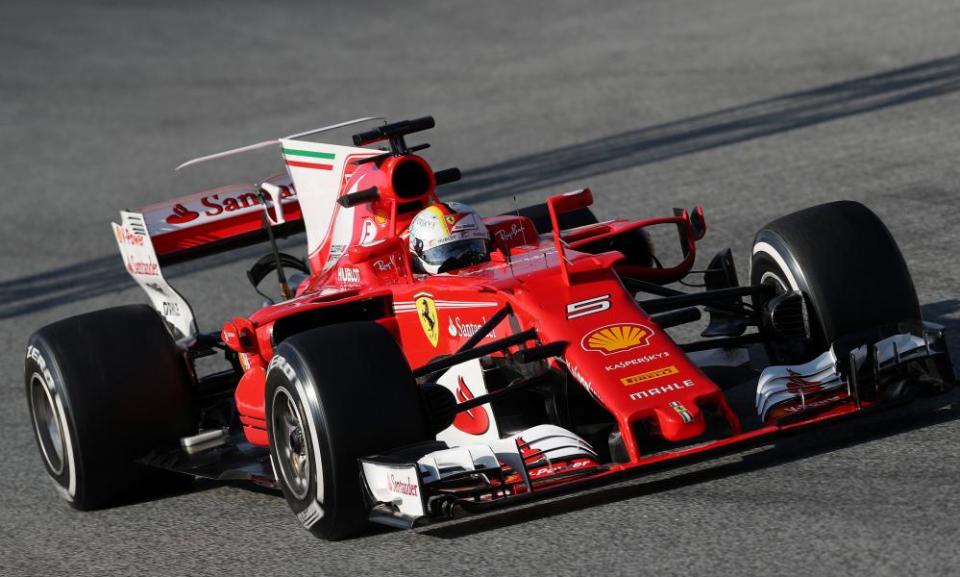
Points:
x=570, y=201
x=698, y=224
x=560, y=204
x=364, y=252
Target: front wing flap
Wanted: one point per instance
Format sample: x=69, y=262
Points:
x=433, y=480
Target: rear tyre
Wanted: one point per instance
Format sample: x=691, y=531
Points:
x=848, y=267
x=333, y=395
x=103, y=389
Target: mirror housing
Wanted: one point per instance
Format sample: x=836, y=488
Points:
x=571, y=201
x=273, y=192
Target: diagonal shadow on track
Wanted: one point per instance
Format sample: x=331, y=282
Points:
x=100, y=276
x=713, y=130
x=103, y=275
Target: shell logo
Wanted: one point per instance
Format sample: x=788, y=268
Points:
x=617, y=338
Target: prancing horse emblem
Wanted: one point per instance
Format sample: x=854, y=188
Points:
x=427, y=311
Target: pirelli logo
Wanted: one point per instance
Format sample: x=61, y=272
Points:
x=649, y=376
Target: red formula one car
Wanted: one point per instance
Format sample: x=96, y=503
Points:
x=373, y=391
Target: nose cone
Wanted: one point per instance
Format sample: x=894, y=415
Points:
x=680, y=420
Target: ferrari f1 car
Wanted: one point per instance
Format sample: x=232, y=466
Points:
x=370, y=392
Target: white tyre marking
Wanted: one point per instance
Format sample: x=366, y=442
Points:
x=777, y=258
x=281, y=364
x=309, y=516
x=70, y=491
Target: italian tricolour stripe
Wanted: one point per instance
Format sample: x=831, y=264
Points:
x=411, y=306
x=308, y=158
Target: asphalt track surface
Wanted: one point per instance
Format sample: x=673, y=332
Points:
x=751, y=108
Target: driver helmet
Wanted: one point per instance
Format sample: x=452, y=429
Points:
x=448, y=236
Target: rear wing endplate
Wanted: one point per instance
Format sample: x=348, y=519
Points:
x=140, y=260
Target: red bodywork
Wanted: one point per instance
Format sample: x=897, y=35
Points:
x=614, y=349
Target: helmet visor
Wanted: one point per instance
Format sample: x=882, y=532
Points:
x=457, y=254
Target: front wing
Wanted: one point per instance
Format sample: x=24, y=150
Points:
x=432, y=483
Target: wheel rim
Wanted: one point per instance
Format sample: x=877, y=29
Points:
x=786, y=351
x=770, y=279
x=47, y=424
x=291, y=444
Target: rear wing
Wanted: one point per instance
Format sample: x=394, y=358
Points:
x=228, y=217
x=218, y=220
x=193, y=226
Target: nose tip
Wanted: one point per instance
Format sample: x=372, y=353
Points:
x=680, y=420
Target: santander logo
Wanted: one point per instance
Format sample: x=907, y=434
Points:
x=472, y=421
x=182, y=215
x=402, y=487
x=800, y=386
x=220, y=205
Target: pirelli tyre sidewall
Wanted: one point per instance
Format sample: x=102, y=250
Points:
x=354, y=395
x=43, y=394
x=103, y=389
x=289, y=379
x=848, y=267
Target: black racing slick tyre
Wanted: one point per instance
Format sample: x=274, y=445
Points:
x=103, y=389
x=333, y=395
x=846, y=264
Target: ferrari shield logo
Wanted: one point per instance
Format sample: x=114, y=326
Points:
x=427, y=312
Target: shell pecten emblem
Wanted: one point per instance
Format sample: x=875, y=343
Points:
x=427, y=313
x=617, y=338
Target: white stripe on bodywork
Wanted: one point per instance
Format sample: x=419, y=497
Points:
x=408, y=306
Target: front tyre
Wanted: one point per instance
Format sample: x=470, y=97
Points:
x=846, y=264
x=333, y=395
